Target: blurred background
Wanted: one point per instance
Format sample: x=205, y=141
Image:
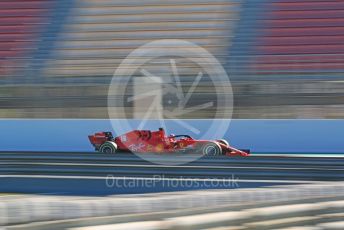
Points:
x=284, y=58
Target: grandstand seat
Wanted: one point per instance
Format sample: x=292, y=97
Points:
x=300, y=37
x=100, y=34
x=20, y=24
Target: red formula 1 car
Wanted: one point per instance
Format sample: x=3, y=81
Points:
x=146, y=141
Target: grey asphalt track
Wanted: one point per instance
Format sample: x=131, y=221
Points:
x=102, y=174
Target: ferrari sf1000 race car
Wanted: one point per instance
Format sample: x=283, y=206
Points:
x=146, y=141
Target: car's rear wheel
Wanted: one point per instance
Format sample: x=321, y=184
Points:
x=224, y=142
x=211, y=149
x=108, y=147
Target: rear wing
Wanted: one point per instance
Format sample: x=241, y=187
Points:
x=99, y=138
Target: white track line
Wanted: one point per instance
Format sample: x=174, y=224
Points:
x=159, y=166
x=339, y=155
x=161, y=179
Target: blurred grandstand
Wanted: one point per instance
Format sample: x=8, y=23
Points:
x=284, y=58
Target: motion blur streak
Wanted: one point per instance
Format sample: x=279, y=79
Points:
x=102, y=174
x=284, y=59
x=59, y=63
x=269, y=208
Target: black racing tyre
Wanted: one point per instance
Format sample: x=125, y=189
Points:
x=211, y=149
x=108, y=147
x=223, y=141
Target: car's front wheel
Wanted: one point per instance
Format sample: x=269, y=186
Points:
x=211, y=149
x=108, y=147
